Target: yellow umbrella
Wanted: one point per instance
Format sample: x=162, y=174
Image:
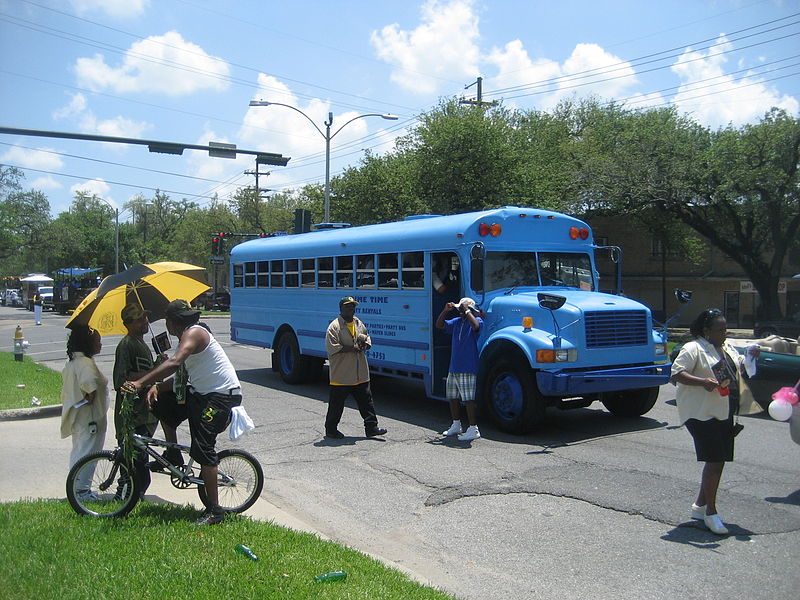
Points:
x=151, y=286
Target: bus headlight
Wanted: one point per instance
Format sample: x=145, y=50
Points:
x=661, y=349
x=557, y=356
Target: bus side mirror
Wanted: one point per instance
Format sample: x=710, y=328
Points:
x=550, y=301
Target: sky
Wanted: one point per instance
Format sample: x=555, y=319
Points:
x=185, y=71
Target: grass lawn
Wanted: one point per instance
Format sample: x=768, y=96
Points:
x=157, y=552
x=39, y=381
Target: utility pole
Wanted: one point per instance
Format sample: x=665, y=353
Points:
x=479, y=99
x=257, y=172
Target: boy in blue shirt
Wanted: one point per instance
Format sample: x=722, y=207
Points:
x=462, y=373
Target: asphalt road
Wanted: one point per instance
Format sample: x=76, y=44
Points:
x=592, y=507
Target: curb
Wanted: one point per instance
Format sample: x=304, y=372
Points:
x=38, y=412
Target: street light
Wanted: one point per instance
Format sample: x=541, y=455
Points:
x=328, y=137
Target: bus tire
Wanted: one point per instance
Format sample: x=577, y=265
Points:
x=291, y=364
x=630, y=403
x=510, y=395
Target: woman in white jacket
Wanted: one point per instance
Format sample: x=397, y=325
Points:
x=84, y=398
x=706, y=372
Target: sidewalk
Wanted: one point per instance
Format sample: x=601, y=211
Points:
x=35, y=465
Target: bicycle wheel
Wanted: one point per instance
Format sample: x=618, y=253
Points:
x=241, y=480
x=102, y=485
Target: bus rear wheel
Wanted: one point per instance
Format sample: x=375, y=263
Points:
x=630, y=403
x=291, y=364
x=510, y=396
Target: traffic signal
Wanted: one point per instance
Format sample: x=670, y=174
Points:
x=215, y=245
x=221, y=236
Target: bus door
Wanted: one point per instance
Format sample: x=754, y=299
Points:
x=445, y=287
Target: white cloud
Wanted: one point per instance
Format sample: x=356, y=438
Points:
x=32, y=159
x=121, y=9
x=716, y=99
x=200, y=164
x=45, y=183
x=443, y=47
x=119, y=126
x=94, y=187
x=165, y=64
x=589, y=70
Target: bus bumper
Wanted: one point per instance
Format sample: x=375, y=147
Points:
x=581, y=383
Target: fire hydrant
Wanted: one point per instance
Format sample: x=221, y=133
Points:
x=20, y=343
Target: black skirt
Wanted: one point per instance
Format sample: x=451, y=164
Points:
x=713, y=439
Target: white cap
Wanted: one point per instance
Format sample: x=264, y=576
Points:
x=468, y=301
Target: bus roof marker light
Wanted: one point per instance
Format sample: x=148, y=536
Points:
x=573, y=233
x=483, y=229
x=495, y=229
x=583, y=232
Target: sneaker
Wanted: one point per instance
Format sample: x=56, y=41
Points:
x=471, y=434
x=698, y=512
x=335, y=435
x=88, y=496
x=211, y=517
x=715, y=524
x=455, y=429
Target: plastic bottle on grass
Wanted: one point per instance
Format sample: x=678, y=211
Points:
x=245, y=551
x=331, y=577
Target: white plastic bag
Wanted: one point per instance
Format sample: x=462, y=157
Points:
x=241, y=423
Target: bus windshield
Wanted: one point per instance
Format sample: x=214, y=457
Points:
x=513, y=269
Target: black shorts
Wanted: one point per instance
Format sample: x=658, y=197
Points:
x=713, y=439
x=168, y=410
x=208, y=414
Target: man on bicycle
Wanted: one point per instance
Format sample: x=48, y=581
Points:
x=213, y=390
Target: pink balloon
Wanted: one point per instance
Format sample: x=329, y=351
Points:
x=786, y=394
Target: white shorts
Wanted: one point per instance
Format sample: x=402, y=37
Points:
x=461, y=386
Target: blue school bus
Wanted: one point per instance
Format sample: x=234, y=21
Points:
x=550, y=337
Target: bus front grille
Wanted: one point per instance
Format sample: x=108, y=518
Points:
x=611, y=329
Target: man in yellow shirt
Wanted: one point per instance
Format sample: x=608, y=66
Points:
x=346, y=341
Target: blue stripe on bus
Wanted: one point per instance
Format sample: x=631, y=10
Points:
x=311, y=333
x=381, y=341
x=255, y=326
x=259, y=343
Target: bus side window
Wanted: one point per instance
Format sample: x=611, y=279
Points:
x=309, y=273
x=365, y=272
x=250, y=274
x=325, y=272
x=276, y=273
x=238, y=275
x=262, y=274
x=344, y=271
x=292, y=276
x=387, y=271
x=413, y=270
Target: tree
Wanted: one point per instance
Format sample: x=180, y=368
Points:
x=738, y=188
x=380, y=190
x=84, y=236
x=24, y=220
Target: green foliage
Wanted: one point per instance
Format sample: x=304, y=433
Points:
x=158, y=552
x=39, y=381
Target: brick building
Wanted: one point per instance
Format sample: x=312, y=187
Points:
x=650, y=276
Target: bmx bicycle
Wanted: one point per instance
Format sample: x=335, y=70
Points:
x=103, y=484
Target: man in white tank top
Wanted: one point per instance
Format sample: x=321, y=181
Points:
x=213, y=390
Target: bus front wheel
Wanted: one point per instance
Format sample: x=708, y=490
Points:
x=630, y=403
x=291, y=364
x=511, y=397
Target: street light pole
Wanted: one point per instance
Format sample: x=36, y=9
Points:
x=116, y=233
x=328, y=137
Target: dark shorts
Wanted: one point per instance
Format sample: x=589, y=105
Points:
x=168, y=410
x=713, y=439
x=208, y=414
